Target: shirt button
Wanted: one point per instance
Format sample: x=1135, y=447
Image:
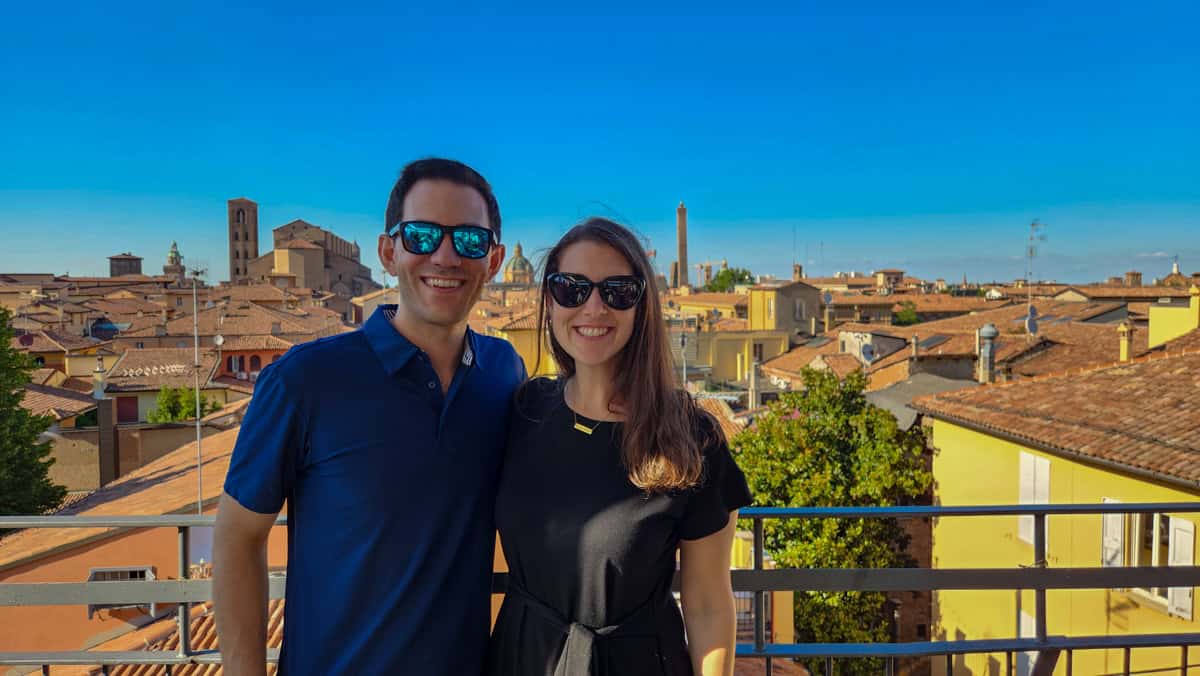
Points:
x=432, y=384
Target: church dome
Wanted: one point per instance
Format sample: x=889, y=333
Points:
x=518, y=270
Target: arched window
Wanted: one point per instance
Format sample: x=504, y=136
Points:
x=40, y=361
x=229, y=364
x=241, y=216
x=801, y=310
x=235, y=235
x=241, y=363
x=255, y=363
x=235, y=254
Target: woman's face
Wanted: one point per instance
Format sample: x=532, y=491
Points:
x=593, y=333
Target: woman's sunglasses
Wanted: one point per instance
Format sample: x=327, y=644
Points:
x=619, y=293
x=423, y=238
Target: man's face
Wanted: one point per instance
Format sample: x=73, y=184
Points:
x=439, y=289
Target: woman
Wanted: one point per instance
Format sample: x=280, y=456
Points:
x=611, y=469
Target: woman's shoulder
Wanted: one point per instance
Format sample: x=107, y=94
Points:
x=537, y=395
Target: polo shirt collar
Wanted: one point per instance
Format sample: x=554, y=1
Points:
x=394, y=350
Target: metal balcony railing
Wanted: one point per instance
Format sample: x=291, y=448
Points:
x=1037, y=577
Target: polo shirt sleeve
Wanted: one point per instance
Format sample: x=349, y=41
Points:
x=722, y=490
x=270, y=445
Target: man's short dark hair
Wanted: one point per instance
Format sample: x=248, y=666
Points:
x=440, y=169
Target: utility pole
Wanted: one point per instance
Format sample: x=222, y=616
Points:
x=196, y=275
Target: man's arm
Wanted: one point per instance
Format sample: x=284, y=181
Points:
x=240, y=586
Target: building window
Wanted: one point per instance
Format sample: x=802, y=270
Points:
x=800, y=312
x=1148, y=540
x=178, y=301
x=241, y=216
x=140, y=345
x=770, y=308
x=229, y=364
x=758, y=352
x=235, y=254
x=130, y=574
x=255, y=363
x=235, y=236
x=1034, y=489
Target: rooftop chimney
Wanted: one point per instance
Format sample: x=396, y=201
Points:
x=1125, y=330
x=916, y=347
x=681, y=242
x=276, y=328
x=797, y=272
x=987, y=353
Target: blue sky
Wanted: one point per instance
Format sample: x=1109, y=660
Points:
x=924, y=136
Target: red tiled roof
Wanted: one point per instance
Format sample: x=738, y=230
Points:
x=1139, y=415
x=236, y=343
x=297, y=244
x=709, y=298
x=730, y=324
x=1120, y=292
x=522, y=322
x=942, y=302
x=57, y=402
x=853, y=299
x=46, y=340
x=151, y=368
x=164, y=486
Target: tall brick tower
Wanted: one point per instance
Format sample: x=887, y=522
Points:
x=681, y=242
x=243, y=237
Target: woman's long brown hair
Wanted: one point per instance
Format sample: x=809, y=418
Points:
x=659, y=443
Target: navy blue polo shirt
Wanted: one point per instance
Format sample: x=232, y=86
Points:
x=390, y=487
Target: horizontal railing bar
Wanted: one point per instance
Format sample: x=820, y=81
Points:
x=788, y=579
x=778, y=650
x=135, y=592
x=132, y=521
x=965, y=510
x=115, y=657
x=176, y=520
x=929, y=579
x=977, y=646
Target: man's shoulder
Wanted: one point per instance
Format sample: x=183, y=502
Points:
x=319, y=353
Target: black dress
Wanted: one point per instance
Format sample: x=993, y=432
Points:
x=591, y=556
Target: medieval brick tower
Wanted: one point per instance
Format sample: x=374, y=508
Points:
x=681, y=241
x=243, y=237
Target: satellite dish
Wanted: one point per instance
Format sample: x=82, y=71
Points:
x=868, y=353
x=218, y=340
x=827, y=298
x=1031, y=325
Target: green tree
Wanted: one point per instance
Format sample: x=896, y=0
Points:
x=177, y=404
x=25, y=486
x=726, y=279
x=827, y=446
x=907, y=314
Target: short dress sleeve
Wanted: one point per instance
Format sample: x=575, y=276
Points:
x=722, y=489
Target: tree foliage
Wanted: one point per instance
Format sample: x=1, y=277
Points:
x=25, y=486
x=177, y=404
x=907, y=314
x=726, y=279
x=827, y=446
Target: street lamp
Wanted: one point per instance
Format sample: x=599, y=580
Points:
x=197, y=273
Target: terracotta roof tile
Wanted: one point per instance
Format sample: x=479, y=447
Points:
x=297, y=244
x=730, y=324
x=155, y=367
x=47, y=340
x=724, y=415
x=709, y=298
x=1122, y=292
x=164, y=486
x=56, y=402
x=1140, y=415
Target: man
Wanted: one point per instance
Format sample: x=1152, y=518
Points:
x=385, y=443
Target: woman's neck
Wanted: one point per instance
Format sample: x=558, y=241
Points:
x=590, y=392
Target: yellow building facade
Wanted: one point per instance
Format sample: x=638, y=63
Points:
x=730, y=354
x=977, y=464
x=1169, y=322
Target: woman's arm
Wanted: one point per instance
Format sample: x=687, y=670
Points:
x=707, y=598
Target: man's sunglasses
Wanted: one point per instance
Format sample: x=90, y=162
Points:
x=619, y=293
x=423, y=238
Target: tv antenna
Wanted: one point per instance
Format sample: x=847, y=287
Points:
x=1036, y=235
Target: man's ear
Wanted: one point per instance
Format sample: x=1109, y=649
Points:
x=387, y=253
x=496, y=259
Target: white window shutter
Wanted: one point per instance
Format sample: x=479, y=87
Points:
x=1041, y=492
x=1180, y=553
x=1112, y=538
x=1027, y=495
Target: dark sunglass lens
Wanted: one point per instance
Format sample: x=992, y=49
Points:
x=568, y=292
x=472, y=242
x=421, y=238
x=622, y=295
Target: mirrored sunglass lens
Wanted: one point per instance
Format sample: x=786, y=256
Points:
x=567, y=292
x=422, y=239
x=472, y=242
x=622, y=295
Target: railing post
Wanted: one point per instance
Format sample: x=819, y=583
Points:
x=1039, y=561
x=760, y=596
x=183, y=616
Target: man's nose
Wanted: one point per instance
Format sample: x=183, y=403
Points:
x=446, y=256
